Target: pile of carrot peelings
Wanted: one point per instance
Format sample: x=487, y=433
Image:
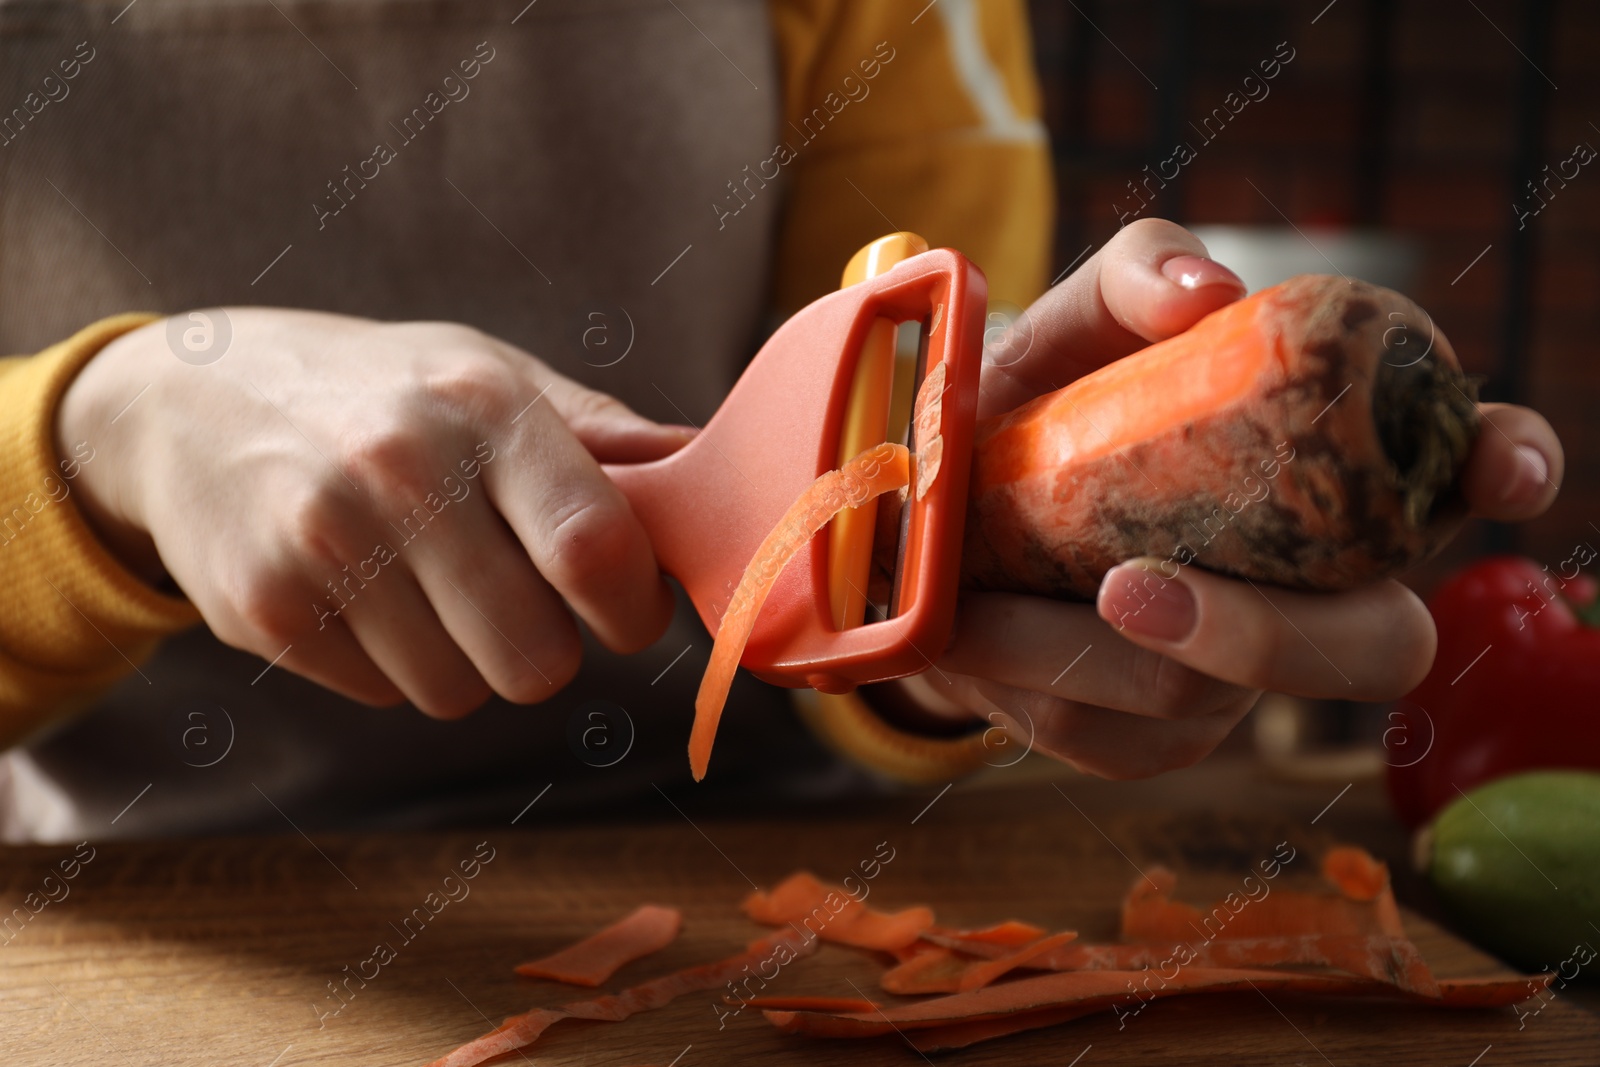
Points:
x=957, y=987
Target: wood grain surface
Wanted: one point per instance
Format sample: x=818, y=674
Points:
x=208, y=952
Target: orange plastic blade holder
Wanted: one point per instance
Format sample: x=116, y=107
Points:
x=708, y=506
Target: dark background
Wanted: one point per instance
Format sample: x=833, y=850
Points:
x=1423, y=117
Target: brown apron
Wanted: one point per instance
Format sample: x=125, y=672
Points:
x=536, y=170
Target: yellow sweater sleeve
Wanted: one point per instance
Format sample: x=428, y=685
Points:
x=906, y=115
x=72, y=619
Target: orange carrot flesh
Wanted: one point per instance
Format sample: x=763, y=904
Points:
x=1008, y=934
x=876, y=471
x=980, y=974
x=1087, y=991
x=1097, y=989
x=934, y=970
x=832, y=914
x=802, y=1003
x=1175, y=451
x=1304, y=950
x=520, y=1031
x=962, y=1035
x=1355, y=872
x=944, y=971
x=1462, y=994
x=597, y=957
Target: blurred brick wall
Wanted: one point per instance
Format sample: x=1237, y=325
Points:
x=1405, y=115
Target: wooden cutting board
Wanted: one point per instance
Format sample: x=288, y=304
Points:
x=222, y=951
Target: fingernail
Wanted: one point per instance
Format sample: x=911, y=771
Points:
x=688, y=433
x=1136, y=597
x=1532, y=472
x=1197, y=272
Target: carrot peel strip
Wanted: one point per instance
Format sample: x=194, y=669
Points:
x=519, y=1031
x=600, y=955
x=830, y=913
x=878, y=470
x=1083, y=992
x=1362, y=936
x=941, y=970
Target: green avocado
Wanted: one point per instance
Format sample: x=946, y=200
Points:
x=1517, y=867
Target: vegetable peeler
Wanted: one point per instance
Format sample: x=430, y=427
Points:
x=820, y=391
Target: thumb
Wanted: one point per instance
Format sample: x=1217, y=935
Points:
x=608, y=428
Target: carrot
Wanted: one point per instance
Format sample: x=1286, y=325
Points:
x=832, y=914
x=1294, y=437
x=876, y=471
x=598, y=956
x=520, y=1031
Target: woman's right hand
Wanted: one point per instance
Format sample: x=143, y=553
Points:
x=396, y=511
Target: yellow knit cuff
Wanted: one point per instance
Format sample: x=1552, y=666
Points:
x=72, y=618
x=849, y=726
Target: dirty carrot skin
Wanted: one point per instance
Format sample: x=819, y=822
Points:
x=600, y=955
x=1308, y=436
x=876, y=471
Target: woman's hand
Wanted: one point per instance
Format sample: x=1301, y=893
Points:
x=396, y=511
x=1185, y=665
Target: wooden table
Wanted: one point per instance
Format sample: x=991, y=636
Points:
x=222, y=951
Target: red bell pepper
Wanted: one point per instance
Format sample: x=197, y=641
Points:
x=1515, y=685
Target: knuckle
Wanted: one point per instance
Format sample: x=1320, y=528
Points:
x=268, y=615
x=585, y=405
x=317, y=525
x=474, y=386
x=390, y=460
x=591, y=546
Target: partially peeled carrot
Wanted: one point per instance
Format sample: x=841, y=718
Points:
x=1308, y=436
